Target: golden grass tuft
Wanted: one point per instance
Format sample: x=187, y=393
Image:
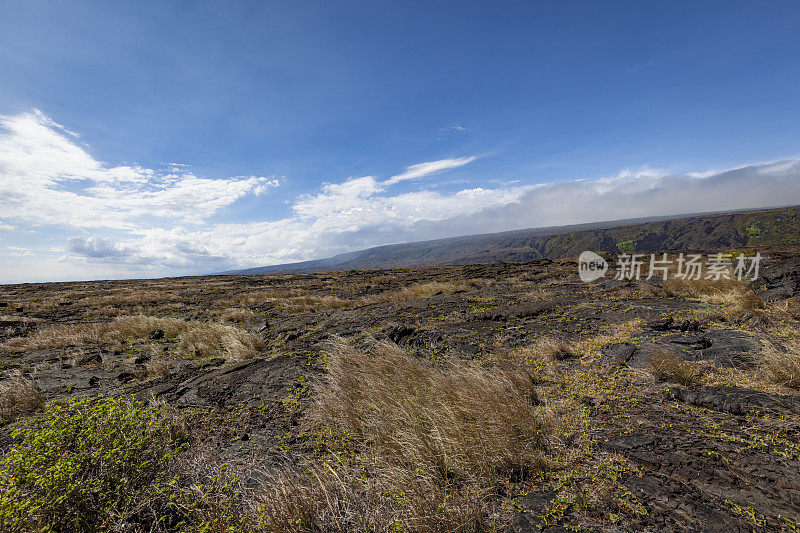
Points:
x=666, y=366
x=554, y=348
x=438, y=442
x=466, y=422
x=211, y=339
x=238, y=315
x=781, y=366
x=19, y=397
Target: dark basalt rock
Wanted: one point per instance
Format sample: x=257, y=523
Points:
x=690, y=326
x=733, y=400
x=529, y=310
x=661, y=325
x=691, y=342
x=731, y=349
x=156, y=335
x=89, y=359
x=125, y=377
x=397, y=334
x=621, y=352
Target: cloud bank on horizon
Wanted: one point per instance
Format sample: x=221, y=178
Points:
x=66, y=215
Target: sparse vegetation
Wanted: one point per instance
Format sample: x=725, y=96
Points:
x=210, y=339
x=782, y=366
x=89, y=464
x=19, y=397
x=667, y=366
x=424, y=290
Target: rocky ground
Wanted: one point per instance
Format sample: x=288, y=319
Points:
x=711, y=446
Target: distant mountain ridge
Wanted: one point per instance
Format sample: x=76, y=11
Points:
x=763, y=227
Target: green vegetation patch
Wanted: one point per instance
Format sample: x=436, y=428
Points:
x=86, y=464
x=627, y=247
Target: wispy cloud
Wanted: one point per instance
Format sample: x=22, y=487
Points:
x=453, y=129
x=421, y=170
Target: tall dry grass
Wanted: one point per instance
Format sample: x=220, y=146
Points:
x=19, y=397
x=210, y=339
x=437, y=445
x=667, y=366
x=465, y=422
x=238, y=315
x=781, y=366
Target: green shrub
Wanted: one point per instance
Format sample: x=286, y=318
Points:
x=88, y=464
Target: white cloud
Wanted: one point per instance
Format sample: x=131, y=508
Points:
x=47, y=178
x=426, y=169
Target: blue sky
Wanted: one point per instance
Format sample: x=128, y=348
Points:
x=155, y=138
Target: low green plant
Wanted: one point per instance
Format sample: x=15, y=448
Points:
x=88, y=464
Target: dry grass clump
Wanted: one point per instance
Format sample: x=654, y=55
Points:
x=157, y=368
x=211, y=339
x=238, y=315
x=705, y=289
x=554, y=348
x=666, y=366
x=437, y=444
x=19, y=397
x=781, y=367
x=463, y=422
x=126, y=327
x=423, y=290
